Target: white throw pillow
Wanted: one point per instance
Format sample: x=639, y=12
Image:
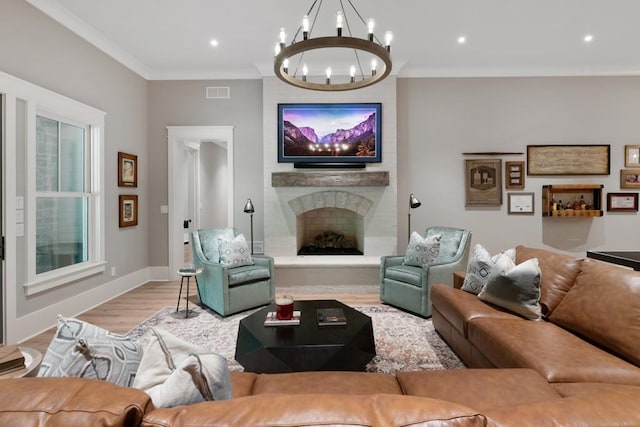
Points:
x=421, y=252
x=480, y=266
x=174, y=372
x=234, y=252
x=514, y=287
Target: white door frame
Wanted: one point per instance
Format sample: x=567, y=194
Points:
x=179, y=137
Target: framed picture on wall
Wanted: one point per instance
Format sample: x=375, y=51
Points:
x=630, y=178
x=483, y=182
x=128, y=210
x=127, y=170
x=622, y=202
x=520, y=203
x=514, y=175
x=632, y=156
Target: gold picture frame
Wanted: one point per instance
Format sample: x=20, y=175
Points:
x=483, y=182
x=630, y=178
x=127, y=170
x=128, y=210
x=632, y=156
x=514, y=175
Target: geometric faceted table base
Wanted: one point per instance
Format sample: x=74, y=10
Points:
x=305, y=347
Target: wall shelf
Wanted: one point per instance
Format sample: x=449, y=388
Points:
x=330, y=179
x=567, y=194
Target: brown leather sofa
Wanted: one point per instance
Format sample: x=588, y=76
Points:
x=547, y=375
x=465, y=397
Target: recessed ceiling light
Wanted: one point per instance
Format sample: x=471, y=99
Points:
x=213, y=42
x=462, y=40
x=588, y=38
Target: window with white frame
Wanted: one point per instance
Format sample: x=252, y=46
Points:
x=62, y=194
x=66, y=220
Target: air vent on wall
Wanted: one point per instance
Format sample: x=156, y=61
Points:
x=218, y=92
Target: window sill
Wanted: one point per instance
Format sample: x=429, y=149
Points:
x=56, y=279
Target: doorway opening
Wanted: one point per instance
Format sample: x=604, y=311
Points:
x=187, y=146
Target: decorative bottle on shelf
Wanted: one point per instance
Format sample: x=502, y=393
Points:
x=560, y=205
x=583, y=204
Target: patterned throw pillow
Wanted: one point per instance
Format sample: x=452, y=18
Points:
x=514, y=287
x=422, y=251
x=235, y=252
x=80, y=349
x=174, y=372
x=480, y=266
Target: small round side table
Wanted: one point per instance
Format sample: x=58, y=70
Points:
x=188, y=273
x=32, y=360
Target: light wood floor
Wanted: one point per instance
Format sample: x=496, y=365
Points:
x=122, y=313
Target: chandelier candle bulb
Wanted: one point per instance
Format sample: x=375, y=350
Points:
x=370, y=26
x=328, y=75
x=352, y=73
x=388, y=37
x=339, y=20
x=283, y=38
x=374, y=66
x=305, y=27
x=285, y=65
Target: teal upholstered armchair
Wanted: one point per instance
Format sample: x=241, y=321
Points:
x=227, y=290
x=408, y=287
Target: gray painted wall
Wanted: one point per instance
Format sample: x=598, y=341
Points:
x=183, y=103
x=37, y=49
x=439, y=119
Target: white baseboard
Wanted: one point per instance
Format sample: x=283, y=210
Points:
x=39, y=321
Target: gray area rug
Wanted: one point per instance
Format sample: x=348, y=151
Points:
x=404, y=342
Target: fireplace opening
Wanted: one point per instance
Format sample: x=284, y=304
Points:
x=330, y=231
x=330, y=243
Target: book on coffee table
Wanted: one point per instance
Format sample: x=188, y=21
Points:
x=331, y=317
x=11, y=359
x=272, y=320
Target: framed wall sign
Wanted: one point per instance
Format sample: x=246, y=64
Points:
x=514, y=175
x=630, y=178
x=127, y=170
x=520, y=203
x=632, y=156
x=568, y=159
x=483, y=182
x=622, y=202
x=128, y=208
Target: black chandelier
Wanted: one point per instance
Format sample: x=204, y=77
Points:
x=358, y=78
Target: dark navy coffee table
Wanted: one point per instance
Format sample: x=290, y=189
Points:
x=305, y=347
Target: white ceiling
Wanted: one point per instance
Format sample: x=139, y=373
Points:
x=169, y=39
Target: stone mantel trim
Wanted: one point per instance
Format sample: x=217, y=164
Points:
x=330, y=179
x=331, y=199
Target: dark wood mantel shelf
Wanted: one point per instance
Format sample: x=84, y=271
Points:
x=330, y=179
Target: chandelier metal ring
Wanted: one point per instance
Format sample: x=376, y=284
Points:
x=333, y=42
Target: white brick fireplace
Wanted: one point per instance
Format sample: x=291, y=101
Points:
x=375, y=203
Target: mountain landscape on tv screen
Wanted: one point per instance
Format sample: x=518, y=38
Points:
x=359, y=141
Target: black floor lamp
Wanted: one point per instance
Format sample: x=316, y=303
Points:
x=248, y=208
x=413, y=203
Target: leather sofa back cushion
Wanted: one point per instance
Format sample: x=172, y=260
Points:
x=319, y=410
x=558, y=274
x=603, y=306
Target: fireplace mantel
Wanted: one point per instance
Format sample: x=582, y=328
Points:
x=330, y=179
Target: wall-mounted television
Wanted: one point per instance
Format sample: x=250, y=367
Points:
x=329, y=134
